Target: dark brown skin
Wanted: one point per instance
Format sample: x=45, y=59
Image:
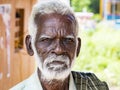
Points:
x=56, y=27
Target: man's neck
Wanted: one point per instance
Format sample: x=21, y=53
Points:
x=54, y=84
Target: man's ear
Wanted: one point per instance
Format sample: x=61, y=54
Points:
x=79, y=46
x=28, y=45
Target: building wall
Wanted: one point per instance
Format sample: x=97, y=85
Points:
x=21, y=64
x=109, y=9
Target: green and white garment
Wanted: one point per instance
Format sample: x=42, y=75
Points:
x=78, y=81
x=88, y=81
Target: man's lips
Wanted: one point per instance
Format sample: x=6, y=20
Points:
x=57, y=62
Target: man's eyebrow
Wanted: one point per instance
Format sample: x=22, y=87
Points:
x=70, y=36
x=44, y=36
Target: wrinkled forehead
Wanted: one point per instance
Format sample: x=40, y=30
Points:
x=39, y=19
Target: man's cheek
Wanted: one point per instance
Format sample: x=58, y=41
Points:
x=44, y=55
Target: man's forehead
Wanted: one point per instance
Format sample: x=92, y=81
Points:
x=60, y=33
x=40, y=18
x=56, y=24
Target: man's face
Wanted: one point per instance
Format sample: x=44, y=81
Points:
x=56, y=42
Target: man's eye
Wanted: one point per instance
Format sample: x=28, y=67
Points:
x=45, y=39
x=69, y=40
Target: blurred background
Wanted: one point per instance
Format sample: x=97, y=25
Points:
x=99, y=22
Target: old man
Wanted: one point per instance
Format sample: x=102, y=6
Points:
x=54, y=42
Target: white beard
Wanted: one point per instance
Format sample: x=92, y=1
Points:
x=53, y=71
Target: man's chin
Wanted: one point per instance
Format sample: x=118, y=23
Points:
x=55, y=73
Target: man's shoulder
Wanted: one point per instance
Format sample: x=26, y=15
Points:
x=84, y=75
x=89, y=80
x=25, y=84
x=20, y=86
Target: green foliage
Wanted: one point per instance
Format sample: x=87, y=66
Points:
x=100, y=53
x=94, y=6
x=90, y=5
x=97, y=17
x=79, y=5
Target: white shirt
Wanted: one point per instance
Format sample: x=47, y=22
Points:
x=33, y=83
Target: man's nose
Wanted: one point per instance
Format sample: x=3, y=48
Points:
x=59, y=48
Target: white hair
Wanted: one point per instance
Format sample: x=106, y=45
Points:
x=48, y=7
x=43, y=8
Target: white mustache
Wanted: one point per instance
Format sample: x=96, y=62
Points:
x=53, y=57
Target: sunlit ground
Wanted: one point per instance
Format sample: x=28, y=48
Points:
x=100, y=53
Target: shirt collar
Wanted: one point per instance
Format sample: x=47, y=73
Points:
x=72, y=83
x=36, y=85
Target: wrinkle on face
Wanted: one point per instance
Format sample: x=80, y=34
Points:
x=65, y=22
x=56, y=34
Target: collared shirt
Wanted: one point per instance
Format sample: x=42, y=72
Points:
x=78, y=81
x=33, y=83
